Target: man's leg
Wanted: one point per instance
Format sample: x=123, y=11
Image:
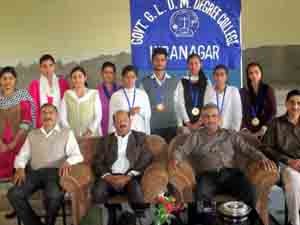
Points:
x=18, y=197
x=136, y=196
x=207, y=185
x=206, y=190
x=53, y=193
x=291, y=181
x=101, y=191
x=235, y=183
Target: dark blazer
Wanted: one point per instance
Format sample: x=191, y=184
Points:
x=138, y=155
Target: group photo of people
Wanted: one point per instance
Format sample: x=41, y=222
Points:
x=154, y=112
x=41, y=126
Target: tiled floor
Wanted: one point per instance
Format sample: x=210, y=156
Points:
x=275, y=206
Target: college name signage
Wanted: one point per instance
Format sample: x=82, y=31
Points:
x=210, y=28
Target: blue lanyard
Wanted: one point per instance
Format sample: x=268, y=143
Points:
x=194, y=95
x=159, y=96
x=127, y=98
x=106, y=92
x=223, y=100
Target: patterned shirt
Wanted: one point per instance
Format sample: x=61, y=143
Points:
x=221, y=150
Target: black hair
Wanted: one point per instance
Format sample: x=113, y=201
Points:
x=194, y=55
x=8, y=69
x=80, y=69
x=292, y=93
x=223, y=67
x=252, y=64
x=49, y=105
x=47, y=57
x=114, y=115
x=129, y=68
x=159, y=51
x=109, y=64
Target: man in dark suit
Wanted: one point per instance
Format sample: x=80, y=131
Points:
x=120, y=162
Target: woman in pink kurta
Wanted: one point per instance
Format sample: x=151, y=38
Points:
x=17, y=116
x=106, y=89
x=49, y=88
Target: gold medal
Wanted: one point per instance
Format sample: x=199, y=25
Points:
x=255, y=121
x=160, y=107
x=195, y=111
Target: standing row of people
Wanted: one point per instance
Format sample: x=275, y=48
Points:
x=160, y=106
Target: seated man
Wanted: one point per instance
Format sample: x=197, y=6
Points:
x=211, y=151
x=120, y=162
x=282, y=141
x=49, y=153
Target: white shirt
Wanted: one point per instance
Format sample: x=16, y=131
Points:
x=140, y=121
x=121, y=165
x=46, y=90
x=74, y=155
x=232, y=109
x=94, y=125
x=179, y=101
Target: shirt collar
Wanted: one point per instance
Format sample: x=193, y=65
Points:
x=43, y=78
x=167, y=76
x=126, y=136
x=56, y=128
x=285, y=118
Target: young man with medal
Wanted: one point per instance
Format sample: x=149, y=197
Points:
x=227, y=98
x=160, y=88
x=131, y=99
x=190, y=94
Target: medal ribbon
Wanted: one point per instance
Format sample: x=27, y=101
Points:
x=127, y=98
x=223, y=100
x=159, y=95
x=106, y=92
x=194, y=92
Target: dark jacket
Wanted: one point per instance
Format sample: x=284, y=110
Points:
x=138, y=155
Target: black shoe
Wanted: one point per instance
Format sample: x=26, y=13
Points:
x=127, y=218
x=10, y=215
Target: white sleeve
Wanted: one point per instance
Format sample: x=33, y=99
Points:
x=74, y=155
x=147, y=114
x=181, y=112
x=95, y=124
x=23, y=156
x=209, y=95
x=63, y=114
x=146, y=111
x=112, y=109
x=236, y=110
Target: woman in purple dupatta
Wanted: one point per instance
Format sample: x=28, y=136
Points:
x=106, y=89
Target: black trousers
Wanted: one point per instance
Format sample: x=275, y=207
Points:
x=167, y=133
x=229, y=181
x=46, y=179
x=102, y=191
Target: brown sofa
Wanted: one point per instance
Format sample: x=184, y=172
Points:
x=78, y=182
x=182, y=177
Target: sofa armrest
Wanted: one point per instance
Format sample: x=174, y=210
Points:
x=154, y=181
x=80, y=177
x=262, y=178
x=183, y=180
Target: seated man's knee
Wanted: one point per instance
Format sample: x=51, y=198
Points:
x=15, y=193
x=54, y=193
x=99, y=192
x=291, y=179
